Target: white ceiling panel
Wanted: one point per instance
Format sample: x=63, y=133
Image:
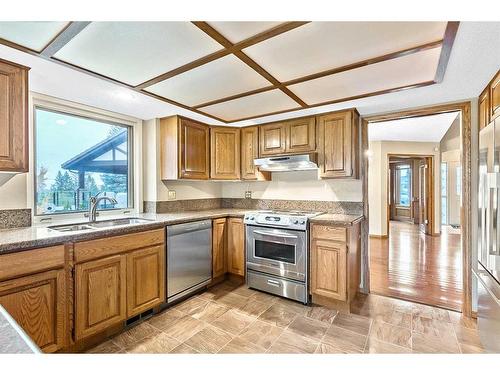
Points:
x=252, y=105
x=220, y=78
x=33, y=35
x=238, y=31
x=414, y=129
x=407, y=70
x=133, y=52
x=319, y=46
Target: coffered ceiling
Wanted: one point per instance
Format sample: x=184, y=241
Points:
x=232, y=71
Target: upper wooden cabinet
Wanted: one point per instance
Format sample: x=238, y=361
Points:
x=301, y=135
x=249, y=152
x=484, y=108
x=224, y=153
x=184, y=149
x=495, y=96
x=338, y=144
x=288, y=137
x=272, y=139
x=13, y=117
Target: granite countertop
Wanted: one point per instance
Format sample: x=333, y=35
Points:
x=337, y=219
x=13, y=340
x=39, y=235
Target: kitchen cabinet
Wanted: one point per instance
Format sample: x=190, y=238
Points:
x=338, y=144
x=334, y=265
x=33, y=291
x=236, y=246
x=272, y=138
x=145, y=279
x=249, y=152
x=100, y=299
x=288, y=137
x=495, y=96
x=224, y=153
x=219, y=241
x=301, y=135
x=484, y=108
x=13, y=117
x=117, y=278
x=184, y=149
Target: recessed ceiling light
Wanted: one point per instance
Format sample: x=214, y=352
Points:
x=61, y=122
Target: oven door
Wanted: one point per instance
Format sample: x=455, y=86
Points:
x=278, y=252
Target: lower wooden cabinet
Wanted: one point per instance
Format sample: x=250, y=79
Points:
x=100, y=295
x=334, y=265
x=219, y=240
x=236, y=246
x=38, y=303
x=145, y=279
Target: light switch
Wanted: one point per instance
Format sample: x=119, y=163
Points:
x=171, y=194
x=248, y=194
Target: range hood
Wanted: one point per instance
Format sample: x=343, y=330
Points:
x=287, y=163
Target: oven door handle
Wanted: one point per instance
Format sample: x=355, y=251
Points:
x=275, y=234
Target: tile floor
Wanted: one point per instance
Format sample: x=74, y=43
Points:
x=231, y=318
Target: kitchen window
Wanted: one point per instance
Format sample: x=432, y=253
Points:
x=77, y=157
x=403, y=185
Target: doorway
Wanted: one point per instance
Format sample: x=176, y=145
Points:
x=413, y=258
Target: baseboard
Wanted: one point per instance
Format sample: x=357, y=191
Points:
x=379, y=236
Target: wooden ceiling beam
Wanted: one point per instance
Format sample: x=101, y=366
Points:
x=448, y=40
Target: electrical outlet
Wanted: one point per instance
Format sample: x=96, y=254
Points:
x=171, y=194
x=248, y=194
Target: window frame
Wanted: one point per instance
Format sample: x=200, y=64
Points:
x=39, y=101
x=397, y=185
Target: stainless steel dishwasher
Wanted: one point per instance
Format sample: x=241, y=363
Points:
x=189, y=258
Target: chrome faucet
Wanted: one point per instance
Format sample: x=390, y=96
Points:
x=93, y=202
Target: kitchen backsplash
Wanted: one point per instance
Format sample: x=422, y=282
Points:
x=182, y=205
x=15, y=218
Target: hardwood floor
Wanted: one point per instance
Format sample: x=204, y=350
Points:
x=415, y=267
x=231, y=318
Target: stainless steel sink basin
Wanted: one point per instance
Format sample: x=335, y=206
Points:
x=98, y=224
x=116, y=222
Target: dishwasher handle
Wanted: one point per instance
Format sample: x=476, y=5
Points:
x=173, y=230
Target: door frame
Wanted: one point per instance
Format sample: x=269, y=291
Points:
x=432, y=216
x=466, y=221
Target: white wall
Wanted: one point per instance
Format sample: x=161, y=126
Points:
x=13, y=192
x=377, y=179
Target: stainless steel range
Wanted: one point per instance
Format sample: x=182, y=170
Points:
x=277, y=247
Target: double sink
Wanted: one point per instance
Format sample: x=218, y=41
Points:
x=98, y=224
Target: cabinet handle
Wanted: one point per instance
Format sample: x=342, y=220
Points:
x=273, y=283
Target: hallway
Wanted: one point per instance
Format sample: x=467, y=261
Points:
x=416, y=267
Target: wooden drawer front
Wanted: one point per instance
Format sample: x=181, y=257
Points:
x=145, y=279
x=100, y=248
x=100, y=299
x=327, y=232
x=32, y=261
x=328, y=269
x=38, y=304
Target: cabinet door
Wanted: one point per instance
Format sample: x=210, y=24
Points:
x=328, y=269
x=236, y=246
x=484, y=108
x=224, y=153
x=301, y=135
x=249, y=152
x=39, y=304
x=193, y=150
x=13, y=117
x=145, y=279
x=219, y=247
x=100, y=295
x=272, y=139
x=495, y=96
x=337, y=145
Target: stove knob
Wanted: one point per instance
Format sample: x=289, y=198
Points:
x=302, y=222
x=295, y=221
x=251, y=218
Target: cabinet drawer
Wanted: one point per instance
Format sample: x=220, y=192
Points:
x=30, y=262
x=327, y=232
x=94, y=249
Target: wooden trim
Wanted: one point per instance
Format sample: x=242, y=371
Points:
x=232, y=97
x=63, y=37
x=449, y=38
x=379, y=236
x=466, y=224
